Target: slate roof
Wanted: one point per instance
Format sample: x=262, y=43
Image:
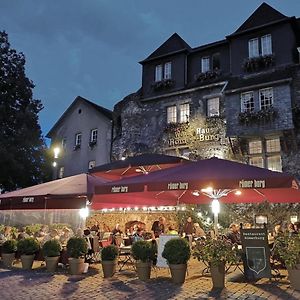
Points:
x=275, y=75
x=174, y=44
x=106, y=112
x=263, y=15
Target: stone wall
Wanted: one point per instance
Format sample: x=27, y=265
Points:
x=107, y=221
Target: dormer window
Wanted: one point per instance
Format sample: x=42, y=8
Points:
x=158, y=72
x=168, y=71
x=266, y=44
x=253, y=48
x=205, y=66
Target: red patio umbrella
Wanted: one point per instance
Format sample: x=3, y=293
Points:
x=232, y=181
x=66, y=193
x=134, y=165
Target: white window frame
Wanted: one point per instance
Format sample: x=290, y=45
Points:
x=168, y=70
x=158, y=72
x=266, y=98
x=172, y=114
x=247, y=101
x=273, y=145
x=184, y=110
x=274, y=163
x=94, y=136
x=213, y=107
x=205, y=64
x=255, y=147
x=61, y=172
x=91, y=164
x=266, y=44
x=78, y=139
x=253, y=47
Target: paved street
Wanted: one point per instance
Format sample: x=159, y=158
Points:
x=38, y=284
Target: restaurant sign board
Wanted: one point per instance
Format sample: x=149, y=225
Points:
x=256, y=253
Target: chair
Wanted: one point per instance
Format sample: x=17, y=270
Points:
x=125, y=257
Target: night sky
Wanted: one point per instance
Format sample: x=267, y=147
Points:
x=91, y=48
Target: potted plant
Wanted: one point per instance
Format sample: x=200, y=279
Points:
x=27, y=249
x=216, y=253
x=288, y=249
x=143, y=252
x=9, y=249
x=177, y=252
x=76, y=249
x=51, y=251
x=109, y=256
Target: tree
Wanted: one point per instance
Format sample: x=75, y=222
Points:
x=22, y=148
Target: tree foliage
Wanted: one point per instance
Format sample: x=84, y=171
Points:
x=22, y=148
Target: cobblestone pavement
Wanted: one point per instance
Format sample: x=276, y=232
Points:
x=17, y=284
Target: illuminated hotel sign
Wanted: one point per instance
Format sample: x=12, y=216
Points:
x=205, y=134
x=178, y=186
x=28, y=199
x=119, y=189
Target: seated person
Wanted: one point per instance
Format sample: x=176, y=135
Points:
x=138, y=236
x=234, y=235
x=198, y=232
x=65, y=236
x=6, y=234
x=52, y=235
x=95, y=227
x=22, y=234
x=117, y=230
x=158, y=227
x=172, y=229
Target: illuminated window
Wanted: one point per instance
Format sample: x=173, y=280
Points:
x=274, y=163
x=256, y=161
x=255, y=147
x=184, y=112
x=247, y=102
x=273, y=145
x=172, y=114
x=213, y=107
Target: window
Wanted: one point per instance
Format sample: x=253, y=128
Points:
x=216, y=62
x=158, y=72
x=172, y=114
x=256, y=161
x=205, y=64
x=168, y=71
x=273, y=145
x=61, y=172
x=92, y=164
x=184, y=112
x=64, y=143
x=274, y=163
x=247, y=102
x=253, y=48
x=94, y=134
x=213, y=107
x=78, y=139
x=266, y=44
x=265, y=98
x=266, y=154
x=185, y=152
x=255, y=147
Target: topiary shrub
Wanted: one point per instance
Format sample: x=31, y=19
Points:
x=51, y=248
x=143, y=251
x=28, y=246
x=77, y=247
x=177, y=251
x=109, y=253
x=9, y=246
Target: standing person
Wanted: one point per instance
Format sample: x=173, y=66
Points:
x=158, y=227
x=188, y=230
x=234, y=234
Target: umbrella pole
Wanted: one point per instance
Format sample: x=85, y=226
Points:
x=216, y=225
x=215, y=209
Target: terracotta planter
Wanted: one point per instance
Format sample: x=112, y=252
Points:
x=8, y=259
x=178, y=272
x=76, y=266
x=27, y=261
x=143, y=270
x=51, y=263
x=294, y=277
x=218, y=276
x=109, y=268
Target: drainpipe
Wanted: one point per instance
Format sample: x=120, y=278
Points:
x=298, y=48
x=111, y=138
